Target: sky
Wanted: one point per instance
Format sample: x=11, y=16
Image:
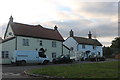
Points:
x=82, y=16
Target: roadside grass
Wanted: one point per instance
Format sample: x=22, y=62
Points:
x=90, y=70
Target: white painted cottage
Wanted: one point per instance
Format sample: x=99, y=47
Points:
x=20, y=36
x=88, y=45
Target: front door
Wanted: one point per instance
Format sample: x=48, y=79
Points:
x=41, y=55
x=87, y=54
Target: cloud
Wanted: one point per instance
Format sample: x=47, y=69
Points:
x=2, y=29
x=99, y=17
x=102, y=30
x=92, y=10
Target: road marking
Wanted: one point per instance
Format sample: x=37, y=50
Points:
x=15, y=74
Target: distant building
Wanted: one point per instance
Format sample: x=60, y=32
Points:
x=87, y=45
x=19, y=36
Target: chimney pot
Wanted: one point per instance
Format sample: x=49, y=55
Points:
x=11, y=19
x=90, y=35
x=55, y=28
x=71, y=33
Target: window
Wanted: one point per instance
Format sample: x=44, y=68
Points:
x=40, y=42
x=54, y=44
x=71, y=48
x=54, y=55
x=5, y=54
x=25, y=42
x=94, y=47
x=98, y=53
x=83, y=46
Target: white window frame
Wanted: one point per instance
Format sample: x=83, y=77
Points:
x=41, y=43
x=54, y=44
x=25, y=42
x=53, y=55
x=94, y=47
x=83, y=46
x=5, y=55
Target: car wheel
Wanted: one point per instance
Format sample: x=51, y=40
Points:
x=45, y=62
x=23, y=62
x=53, y=61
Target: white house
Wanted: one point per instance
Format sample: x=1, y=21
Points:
x=88, y=45
x=19, y=36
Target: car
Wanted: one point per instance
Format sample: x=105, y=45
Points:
x=21, y=57
x=97, y=59
x=102, y=58
x=62, y=59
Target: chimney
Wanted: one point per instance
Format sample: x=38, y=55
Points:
x=90, y=35
x=11, y=19
x=55, y=28
x=71, y=33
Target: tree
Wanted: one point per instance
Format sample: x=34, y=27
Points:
x=116, y=45
x=107, y=51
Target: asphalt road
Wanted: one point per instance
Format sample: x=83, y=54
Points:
x=10, y=72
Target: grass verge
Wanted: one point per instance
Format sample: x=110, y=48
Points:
x=92, y=70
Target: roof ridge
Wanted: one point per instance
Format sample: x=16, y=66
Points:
x=33, y=25
x=49, y=29
x=83, y=37
x=27, y=24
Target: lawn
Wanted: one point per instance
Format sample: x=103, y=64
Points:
x=89, y=70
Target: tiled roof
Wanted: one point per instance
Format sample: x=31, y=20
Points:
x=1, y=39
x=7, y=39
x=36, y=31
x=87, y=41
x=66, y=47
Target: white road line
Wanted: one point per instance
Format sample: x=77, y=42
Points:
x=15, y=74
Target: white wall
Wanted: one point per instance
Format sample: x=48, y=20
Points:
x=8, y=31
x=90, y=48
x=66, y=51
x=70, y=42
x=10, y=47
x=34, y=44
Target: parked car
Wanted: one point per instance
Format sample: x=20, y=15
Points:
x=97, y=59
x=62, y=59
x=102, y=58
x=23, y=57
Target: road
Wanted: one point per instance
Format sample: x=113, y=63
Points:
x=12, y=71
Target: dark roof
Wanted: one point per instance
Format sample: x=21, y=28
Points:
x=1, y=39
x=87, y=41
x=66, y=47
x=36, y=31
x=7, y=39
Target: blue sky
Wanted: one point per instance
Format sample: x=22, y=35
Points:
x=101, y=18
